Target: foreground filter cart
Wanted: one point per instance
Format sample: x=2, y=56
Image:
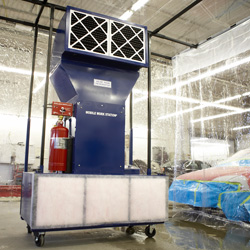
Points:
x=54, y=202
x=94, y=66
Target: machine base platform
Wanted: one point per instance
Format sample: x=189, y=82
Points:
x=52, y=202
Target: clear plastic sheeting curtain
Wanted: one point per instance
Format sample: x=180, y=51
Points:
x=211, y=87
x=161, y=74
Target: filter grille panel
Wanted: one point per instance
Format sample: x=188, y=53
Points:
x=88, y=33
x=105, y=36
x=127, y=42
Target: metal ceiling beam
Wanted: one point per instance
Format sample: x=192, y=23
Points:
x=176, y=16
x=7, y=19
x=162, y=56
x=50, y=5
x=174, y=40
x=40, y=12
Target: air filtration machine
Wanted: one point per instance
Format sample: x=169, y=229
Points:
x=94, y=66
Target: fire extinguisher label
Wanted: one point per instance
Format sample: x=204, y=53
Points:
x=60, y=143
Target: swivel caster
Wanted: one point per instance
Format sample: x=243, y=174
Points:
x=29, y=231
x=150, y=232
x=39, y=239
x=130, y=230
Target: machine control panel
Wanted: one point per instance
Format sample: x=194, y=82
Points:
x=62, y=108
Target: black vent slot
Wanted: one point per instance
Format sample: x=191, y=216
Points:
x=73, y=19
x=128, y=32
x=128, y=51
x=99, y=35
x=118, y=39
x=136, y=43
x=136, y=58
x=79, y=31
x=141, y=53
x=119, y=54
x=89, y=23
x=79, y=15
x=118, y=25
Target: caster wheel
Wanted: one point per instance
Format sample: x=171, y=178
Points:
x=150, y=232
x=39, y=240
x=130, y=230
x=29, y=231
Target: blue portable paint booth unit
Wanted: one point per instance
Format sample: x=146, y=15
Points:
x=95, y=63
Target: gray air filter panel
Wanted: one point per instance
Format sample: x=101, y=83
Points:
x=102, y=35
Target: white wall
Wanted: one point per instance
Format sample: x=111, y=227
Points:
x=13, y=139
x=211, y=150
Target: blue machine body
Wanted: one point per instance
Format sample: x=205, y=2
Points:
x=97, y=79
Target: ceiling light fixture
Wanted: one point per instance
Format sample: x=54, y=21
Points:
x=213, y=144
x=39, y=86
x=237, y=110
x=199, y=139
x=26, y=72
x=20, y=71
x=126, y=15
x=139, y=4
x=136, y=6
x=219, y=116
x=231, y=98
x=239, y=128
x=202, y=105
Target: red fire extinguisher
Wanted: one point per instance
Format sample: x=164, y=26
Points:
x=58, y=147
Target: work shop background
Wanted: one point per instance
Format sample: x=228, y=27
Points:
x=198, y=102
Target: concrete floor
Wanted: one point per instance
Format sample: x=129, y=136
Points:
x=175, y=234
x=13, y=235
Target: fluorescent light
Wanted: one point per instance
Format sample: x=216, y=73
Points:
x=39, y=86
x=26, y=72
x=180, y=112
x=199, y=139
x=239, y=128
x=126, y=15
x=209, y=142
x=203, y=105
x=228, y=99
x=213, y=144
x=136, y=6
x=219, y=116
x=207, y=105
x=207, y=74
x=140, y=99
x=20, y=71
x=176, y=98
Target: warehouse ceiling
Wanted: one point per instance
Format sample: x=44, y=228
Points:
x=188, y=23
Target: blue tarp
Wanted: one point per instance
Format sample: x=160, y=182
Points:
x=236, y=205
x=225, y=195
x=199, y=193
